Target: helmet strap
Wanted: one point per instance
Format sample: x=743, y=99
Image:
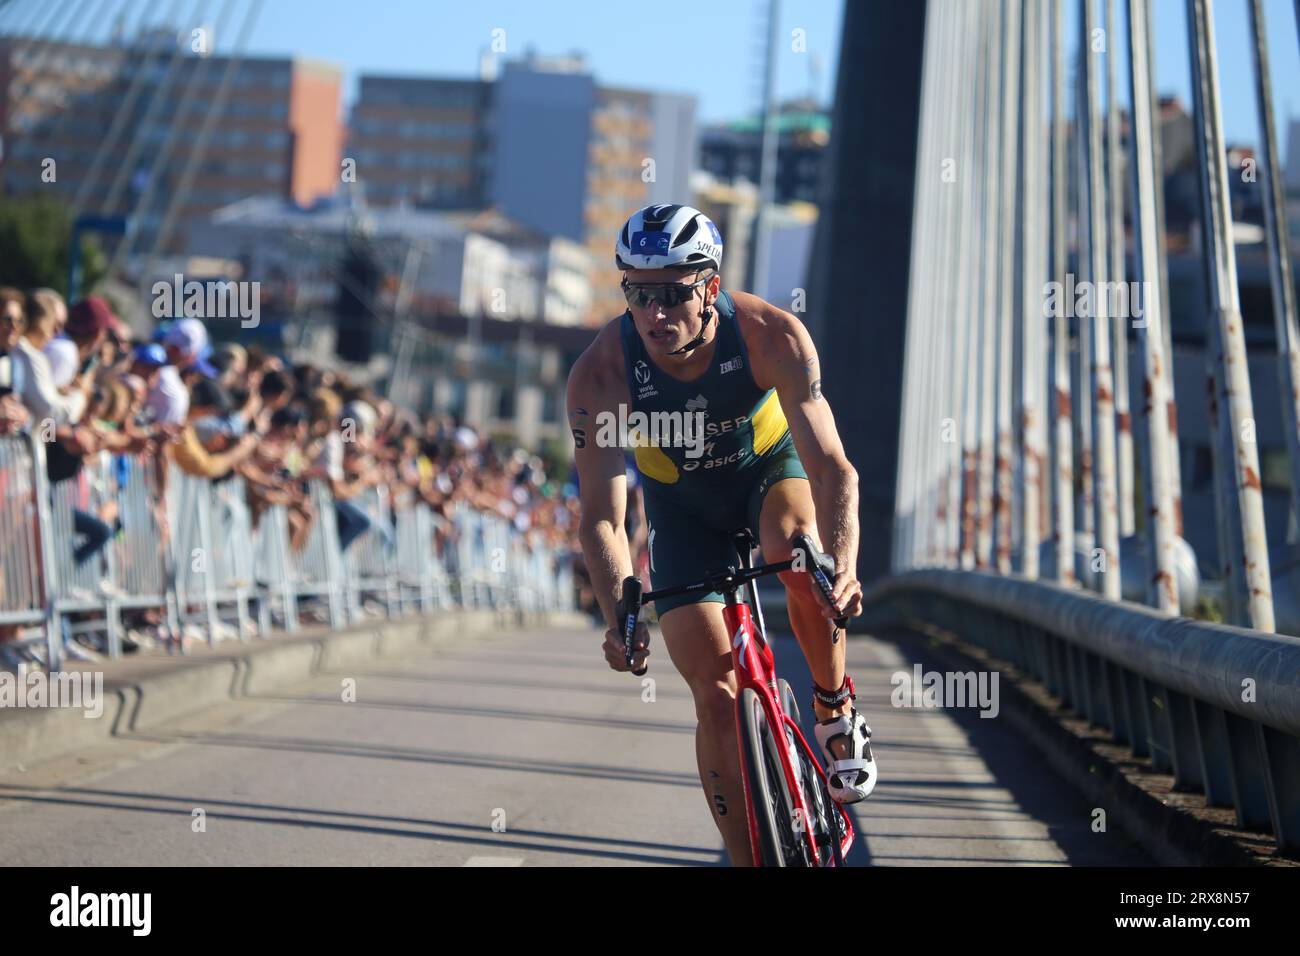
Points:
x=696, y=342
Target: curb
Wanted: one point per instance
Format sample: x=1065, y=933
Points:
x=179, y=686
x=1081, y=754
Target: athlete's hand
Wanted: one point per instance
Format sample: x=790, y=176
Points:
x=847, y=592
x=616, y=655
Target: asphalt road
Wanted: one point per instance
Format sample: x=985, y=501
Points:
x=519, y=749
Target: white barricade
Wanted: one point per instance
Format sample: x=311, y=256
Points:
x=20, y=573
x=195, y=554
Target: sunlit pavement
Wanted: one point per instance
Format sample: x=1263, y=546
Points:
x=520, y=749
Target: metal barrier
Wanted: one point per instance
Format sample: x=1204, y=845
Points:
x=1217, y=706
x=138, y=555
x=369, y=563
x=317, y=569
x=421, y=575
x=272, y=570
x=213, y=551
x=22, y=594
x=490, y=568
x=195, y=553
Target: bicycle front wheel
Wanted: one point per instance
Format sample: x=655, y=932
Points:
x=780, y=840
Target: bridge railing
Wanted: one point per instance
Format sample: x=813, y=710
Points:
x=1215, y=705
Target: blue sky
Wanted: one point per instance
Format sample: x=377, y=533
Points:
x=710, y=49
x=1236, y=83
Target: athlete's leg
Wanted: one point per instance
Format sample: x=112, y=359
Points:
x=787, y=510
x=698, y=644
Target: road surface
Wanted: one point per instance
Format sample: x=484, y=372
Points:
x=518, y=749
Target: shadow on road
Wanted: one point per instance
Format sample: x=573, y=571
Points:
x=519, y=839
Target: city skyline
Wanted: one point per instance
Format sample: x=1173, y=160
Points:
x=393, y=41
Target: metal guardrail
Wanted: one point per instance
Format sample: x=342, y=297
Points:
x=1215, y=705
x=20, y=554
x=197, y=554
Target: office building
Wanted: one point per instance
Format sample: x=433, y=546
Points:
x=148, y=129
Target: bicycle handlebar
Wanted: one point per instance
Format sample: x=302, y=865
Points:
x=629, y=610
x=628, y=613
x=822, y=570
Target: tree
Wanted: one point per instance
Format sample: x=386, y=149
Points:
x=35, y=238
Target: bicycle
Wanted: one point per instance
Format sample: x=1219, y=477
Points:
x=793, y=821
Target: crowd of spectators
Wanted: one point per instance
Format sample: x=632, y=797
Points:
x=80, y=379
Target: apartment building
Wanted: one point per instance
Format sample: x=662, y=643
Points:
x=149, y=129
x=542, y=143
x=422, y=140
x=731, y=152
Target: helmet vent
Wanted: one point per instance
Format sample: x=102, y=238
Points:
x=658, y=216
x=688, y=231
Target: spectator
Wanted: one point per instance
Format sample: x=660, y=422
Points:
x=208, y=401
x=53, y=302
x=147, y=363
x=89, y=325
x=64, y=362
x=13, y=413
x=118, y=342
x=231, y=361
x=354, y=473
x=169, y=400
x=186, y=342
x=274, y=425
x=274, y=391
x=31, y=371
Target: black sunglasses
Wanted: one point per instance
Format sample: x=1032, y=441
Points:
x=668, y=294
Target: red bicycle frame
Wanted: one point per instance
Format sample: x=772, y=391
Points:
x=755, y=667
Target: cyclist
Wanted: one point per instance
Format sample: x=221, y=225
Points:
x=768, y=458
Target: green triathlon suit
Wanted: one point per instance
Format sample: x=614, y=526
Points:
x=694, y=500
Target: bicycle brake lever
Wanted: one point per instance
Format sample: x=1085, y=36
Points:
x=822, y=568
x=629, y=611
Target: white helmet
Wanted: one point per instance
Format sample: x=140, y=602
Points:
x=666, y=235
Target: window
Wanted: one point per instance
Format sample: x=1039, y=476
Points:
x=506, y=404
x=456, y=403
x=550, y=405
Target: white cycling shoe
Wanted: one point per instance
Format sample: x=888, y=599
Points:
x=850, y=778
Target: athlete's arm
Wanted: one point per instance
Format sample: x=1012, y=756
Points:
x=594, y=386
x=785, y=359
